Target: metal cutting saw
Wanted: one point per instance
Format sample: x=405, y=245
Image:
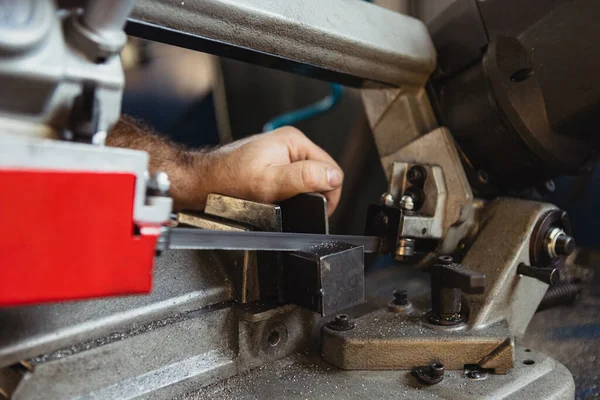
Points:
x=255, y=300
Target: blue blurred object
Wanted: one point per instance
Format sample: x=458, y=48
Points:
x=579, y=197
x=321, y=106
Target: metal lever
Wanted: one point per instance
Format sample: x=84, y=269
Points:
x=551, y=276
x=448, y=281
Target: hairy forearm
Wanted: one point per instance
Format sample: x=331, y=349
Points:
x=187, y=169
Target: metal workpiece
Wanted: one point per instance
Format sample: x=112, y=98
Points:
x=305, y=213
x=384, y=340
x=260, y=271
x=242, y=266
x=335, y=40
x=264, y=217
x=302, y=376
x=502, y=244
x=325, y=278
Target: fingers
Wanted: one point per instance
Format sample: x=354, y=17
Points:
x=306, y=177
x=302, y=148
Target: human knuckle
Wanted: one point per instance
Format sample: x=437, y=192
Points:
x=293, y=132
x=310, y=176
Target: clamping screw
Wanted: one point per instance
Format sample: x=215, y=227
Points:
x=401, y=297
x=342, y=322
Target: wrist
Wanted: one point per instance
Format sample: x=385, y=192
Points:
x=192, y=181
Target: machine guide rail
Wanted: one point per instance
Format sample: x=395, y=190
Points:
x=200, y=239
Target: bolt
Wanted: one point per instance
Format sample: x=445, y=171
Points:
x=407, y=203
x=565, y=245
x=446, y=260
x=558, y=243
x=561, y=294
x=416, y=174
x=387, y=199
x=551, y=276
x=401, y=297
x=342, y=322
x=436, y=370
x=159, y=182
x=476, y=375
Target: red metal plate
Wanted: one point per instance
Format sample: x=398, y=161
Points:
x=70, y=235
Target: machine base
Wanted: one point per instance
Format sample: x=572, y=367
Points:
x=301, y=377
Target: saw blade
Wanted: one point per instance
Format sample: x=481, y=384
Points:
x=200, y=239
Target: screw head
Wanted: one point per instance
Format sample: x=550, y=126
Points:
x=415, y=174
x=446, y=260
x=342, y=322
x=387, y=199
x=565, y=245
x=407, y=203
x=436, y=369
x=401, y=297
x=476, y=375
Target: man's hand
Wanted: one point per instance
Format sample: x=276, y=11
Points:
x=268, y=167
x=275, y=166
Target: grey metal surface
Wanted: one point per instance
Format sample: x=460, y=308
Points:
x=38, y=86
x=326, y=278
x=305, y=377
x=171, y=359
x=501, y=245
x=397, y=117
x=179, y=286
x=199, y=239
x=347, y=36
x=571, y=334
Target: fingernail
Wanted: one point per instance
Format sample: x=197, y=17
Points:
x=334, y=177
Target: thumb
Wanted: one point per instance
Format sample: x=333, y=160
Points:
x=305, y=177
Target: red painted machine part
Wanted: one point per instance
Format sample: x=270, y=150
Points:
x=68, y=235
